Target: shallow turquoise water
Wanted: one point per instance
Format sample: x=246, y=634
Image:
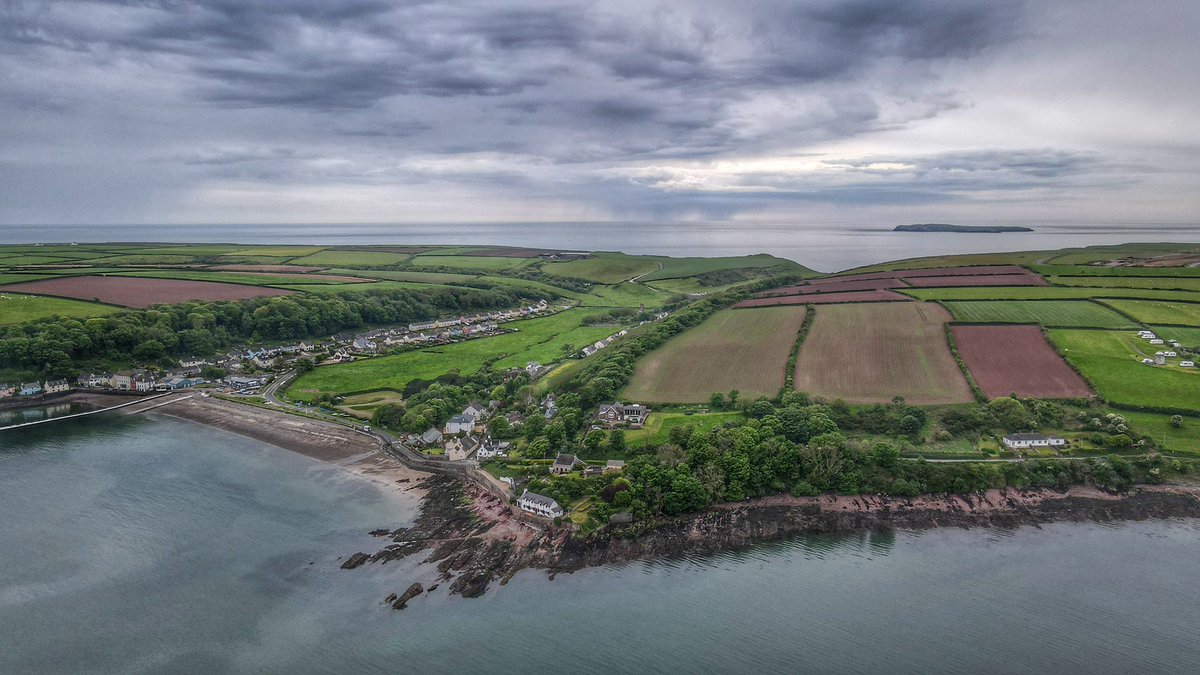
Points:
x=152, y=545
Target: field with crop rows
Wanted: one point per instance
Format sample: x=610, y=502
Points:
x=869, y=353
x=744, y=349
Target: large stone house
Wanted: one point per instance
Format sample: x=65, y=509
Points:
x=56, y=386
x=614, y=414
x=564, y=464
x=459, y=449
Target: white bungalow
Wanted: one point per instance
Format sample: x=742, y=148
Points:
x=1029, y=440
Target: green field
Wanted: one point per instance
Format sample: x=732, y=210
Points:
x=533, y=338
x=1188, y=337
x=354, y=288
x=659, y=425
x=1149, y=311
x=1118, y=272
x=277, y=251
x=1043, y=293
x=605, y=268
x=1111, y=362
x=23, y=260
x=1016, y=258
x=625, y=294
x=673, y=268
x=1100, y=254
x=416, y=277
x=20, y=308
x=469, y=262
x=351, y=259
x=1162, y=283
x=1157, y=426
x=1063, y=313
x=258, y=279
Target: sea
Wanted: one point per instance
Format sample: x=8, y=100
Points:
x=152, y=545
x=826, y=247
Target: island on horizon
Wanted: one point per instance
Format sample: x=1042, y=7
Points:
x=977, y=229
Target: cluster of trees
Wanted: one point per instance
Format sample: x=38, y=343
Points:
x=62, y=347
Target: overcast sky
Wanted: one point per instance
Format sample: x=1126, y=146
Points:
x=868, y=111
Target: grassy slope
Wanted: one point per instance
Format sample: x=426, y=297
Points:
x=745, y=349
x=1158, y=426
x=20, y=308
x=1111, y=361
x=534, y=337
x=674, y=268
x=351, y=258
x=605, y=268
x=1163, y=283
x=1066, y=313
x=468, y=262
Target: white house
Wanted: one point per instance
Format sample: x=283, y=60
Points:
x=459, y=424
x=492, y=448
x=539, y=504
x=475, y=410
x=1029, y=440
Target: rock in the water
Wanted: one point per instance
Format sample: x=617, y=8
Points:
x=412, y=592
x=355, y=560
x=381, y=532
x=389, y=599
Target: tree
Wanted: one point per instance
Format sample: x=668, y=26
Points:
x=593, y=441
x=910, y=425
x=717, y=400
x=733, y=397
x=616, y=442
x=304, y=365
x=1009, y=414
x=760, y=408
x=1176, y=421
x=540, y=447
x=499, y=427
x=388, y=415
x=885, y=454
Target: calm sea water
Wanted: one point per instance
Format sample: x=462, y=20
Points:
x=151, y=545
x=824, y=247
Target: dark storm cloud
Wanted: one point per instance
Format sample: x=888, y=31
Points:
x=608, y=105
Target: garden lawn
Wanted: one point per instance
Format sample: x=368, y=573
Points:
x=1111, y=361
x=1169, y=313
x=659, y=425
x=1064, y=313
x=16, y=309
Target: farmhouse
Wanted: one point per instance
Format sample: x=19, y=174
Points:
x=564, y=464
x=1030, y=440
x=613, y=414
x=539, y=504
x=56, y=386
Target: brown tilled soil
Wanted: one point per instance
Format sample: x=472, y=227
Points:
x=1008, y=359
x=140, y=292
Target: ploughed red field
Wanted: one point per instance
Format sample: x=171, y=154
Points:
x=1016, y=359
x=984, y=280
x=140, y=292
x=824, y=299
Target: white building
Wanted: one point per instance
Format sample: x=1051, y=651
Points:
x=459, y=424
x=540, y=505
x=1027, y=440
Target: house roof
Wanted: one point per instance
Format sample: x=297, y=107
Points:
x=566, y=460
x=431, y=435
x=1026, y=437
x=542, y=500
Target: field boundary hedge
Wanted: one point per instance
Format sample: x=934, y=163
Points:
x=962, y=365
x=789, y=375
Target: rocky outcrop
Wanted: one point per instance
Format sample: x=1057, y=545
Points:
x=412, y=592
x=470, y=556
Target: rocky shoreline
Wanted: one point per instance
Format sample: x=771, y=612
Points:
x=474, y=540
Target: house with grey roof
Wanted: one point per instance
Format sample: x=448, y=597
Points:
x=1024, y=441
x=540, y=505
x=564, y=464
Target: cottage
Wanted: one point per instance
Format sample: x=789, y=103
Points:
x=30, y=389
x=515, y=418
x=7, y=390
x=492, y=448
x=1029, y=440
x=56, y=386
x=476, y=411
x=613, y=414
x=431, y=437
x=593, y=471
x=459, y=424
x=564, y=464
x=614, y=466
x=93, y=381
x=540, y=505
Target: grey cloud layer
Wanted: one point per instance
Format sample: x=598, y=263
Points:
x=612, y=106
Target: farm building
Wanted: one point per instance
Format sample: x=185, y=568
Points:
x=1029, y=440
x=539, y=504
